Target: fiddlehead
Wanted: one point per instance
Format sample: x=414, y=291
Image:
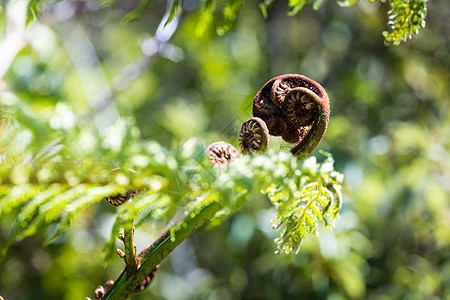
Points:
x=220, y=153
x=254, y=136
x=296, y=108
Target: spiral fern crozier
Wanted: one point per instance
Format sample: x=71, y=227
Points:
x=254, y=136
x=296, y=108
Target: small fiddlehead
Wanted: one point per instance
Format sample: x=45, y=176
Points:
x=296, y=108
x=254, y=136
x=220, y=153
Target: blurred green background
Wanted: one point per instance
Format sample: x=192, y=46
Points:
x=389, y=134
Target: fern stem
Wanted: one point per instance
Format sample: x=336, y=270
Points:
x=130, y=250
x=166, y=243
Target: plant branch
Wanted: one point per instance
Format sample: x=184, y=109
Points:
x=130, y=250
x=127, y=281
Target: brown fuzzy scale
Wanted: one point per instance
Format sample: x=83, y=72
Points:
x=220, y=153
x=254, y=136
x=121, y=198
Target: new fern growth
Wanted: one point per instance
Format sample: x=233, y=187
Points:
x=52, y=168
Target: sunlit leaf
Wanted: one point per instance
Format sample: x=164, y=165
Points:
x=406, y=17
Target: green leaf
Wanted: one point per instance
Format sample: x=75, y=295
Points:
x=265, y=5
x=297, y=5
x=51, y=210
x=406, y=17
x=16, y=196
x=205, y=17
x=318, y=200
x=33, y=10
x=317, y=4
x=230, y=14
x=174, y=10
x=143, y=5
x=347, y=3
x=155, y=209
x=29, y=211
x=105, y=3
x=72, y=209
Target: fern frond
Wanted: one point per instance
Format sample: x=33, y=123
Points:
x=309, y=201
x=49, y=211
x=72, y=209
x=155, y=209
x=16, y=196
x=406, y=17
x=29, y=211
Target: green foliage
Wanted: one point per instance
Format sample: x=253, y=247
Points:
x=34, y=9
x=138, y=11
x=347, y=3
x=302, y=203
x=230, y=13
x=389, y=134
x=405, y=18
x=205, y=17
x=47, y=177
x=265, y=5
x=108, y=2
x=296, y=5
x=174, y=10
